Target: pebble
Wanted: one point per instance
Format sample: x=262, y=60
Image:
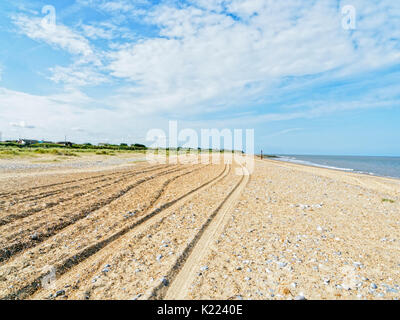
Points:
x=204, y=268
x=60, y=293
x=300, y=297
x=374, y=286
x=159, y=257
x=137, y=297
x=164, y=281
x=34, y=236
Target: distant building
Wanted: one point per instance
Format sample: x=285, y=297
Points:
x=27, y=142
x=65, y=143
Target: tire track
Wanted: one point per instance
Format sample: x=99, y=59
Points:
x=115, y=239
x=138, y=227
x=13, y=217
x=25, y=191
x=9, y=251
x=182, y=274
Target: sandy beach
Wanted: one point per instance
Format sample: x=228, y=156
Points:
x=131, y=230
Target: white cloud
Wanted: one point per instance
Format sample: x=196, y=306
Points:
x=77, y=76
x=61, y=37
x=70, y=113
x=97, y=32
x=120, y=5
x=282, y=132
x=21, y=124
x=210, y=59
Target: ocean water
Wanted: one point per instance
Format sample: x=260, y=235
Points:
x=379, y=166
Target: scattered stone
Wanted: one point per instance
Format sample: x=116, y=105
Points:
x=35, y=236
x=159, y=257
x=164, y=281
x=60, y=293
x=300, y=297
x=137, y=296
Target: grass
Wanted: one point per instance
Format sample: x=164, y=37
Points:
x=12, y=152
x=18, y=152
x=388, y=200
x=107, y=153
x=57, y=152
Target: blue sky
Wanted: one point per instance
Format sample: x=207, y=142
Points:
x=108, y=71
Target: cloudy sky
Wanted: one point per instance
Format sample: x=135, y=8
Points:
x=306, y=75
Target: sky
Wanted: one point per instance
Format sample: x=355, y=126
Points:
x=310, y=77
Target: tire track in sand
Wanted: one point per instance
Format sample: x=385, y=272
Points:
x=11, y=250
x=120, y=177
x=63, y=183
x=138, y=227
x=182, y=274
x=36, y=193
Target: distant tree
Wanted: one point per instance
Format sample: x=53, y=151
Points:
x=139, y=146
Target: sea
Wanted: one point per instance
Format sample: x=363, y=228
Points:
x=372, y=165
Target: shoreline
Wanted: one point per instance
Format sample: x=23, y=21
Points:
x=316, y=165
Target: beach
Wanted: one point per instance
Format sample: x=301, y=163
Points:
x=133, y=230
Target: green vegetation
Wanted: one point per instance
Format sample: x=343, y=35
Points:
x=9, y=150
x=388, y=200
x=106, y=153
